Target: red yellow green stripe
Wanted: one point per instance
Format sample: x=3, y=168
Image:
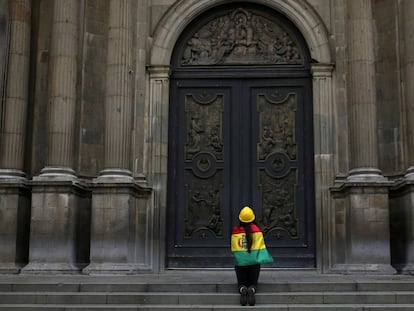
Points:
x=258, y=252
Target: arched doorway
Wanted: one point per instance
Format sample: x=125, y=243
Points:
x=240, y=133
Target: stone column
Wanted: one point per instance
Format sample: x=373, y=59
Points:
x=362, y=201
x=361, y=92
x=62, y=89
x=402, y=196
x=324, y=138
x=14, y=193
x=119, y=91
x=16, y=92
x=116, y=198
x=59, y=231
x=407, y=9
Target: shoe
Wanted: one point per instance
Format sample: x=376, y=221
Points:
x=250, y=295
x=243, y=295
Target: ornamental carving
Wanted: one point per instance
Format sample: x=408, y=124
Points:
x=203, y=206
x=277, y=126
x=203, y=179
x=204, y=125
x=279, y=205
x=241, y=37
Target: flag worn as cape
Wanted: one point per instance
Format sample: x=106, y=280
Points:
x=258, y=252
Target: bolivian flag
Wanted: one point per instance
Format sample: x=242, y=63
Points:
x=258, y=252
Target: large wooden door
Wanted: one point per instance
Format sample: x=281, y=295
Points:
x=239, y=134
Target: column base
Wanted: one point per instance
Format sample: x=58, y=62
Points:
x=10, y=268
x=115, y=268
x=365, y=175
x=14, y=224
x=50, y=268
x=115, y=175
x=409, y=175
x=361, y=231
x=118, y=239
x=56, y=173
x=60, y=226
x=401, y=225
x=12, y=174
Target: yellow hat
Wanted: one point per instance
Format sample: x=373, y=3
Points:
x=246, y=214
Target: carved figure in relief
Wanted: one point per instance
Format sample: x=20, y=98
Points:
x=268, y=142
x=241, y=37
x=215, y=141
x=215, y=222
x=277, y=132
x=277, y=212
x=204, y=212
x=192, y=212
x=194, y=135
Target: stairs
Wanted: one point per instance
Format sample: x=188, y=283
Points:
x=213, y=290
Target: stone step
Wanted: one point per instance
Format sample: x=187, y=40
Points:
x=214, y=291
x=276, y=287
x=188, y=298
x=272, y=307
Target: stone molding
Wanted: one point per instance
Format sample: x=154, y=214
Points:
x=179, y=15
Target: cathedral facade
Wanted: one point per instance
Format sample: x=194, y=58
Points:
x=133, y=132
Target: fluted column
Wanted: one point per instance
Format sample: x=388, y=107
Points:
x=62, y=88
x=16, y=92
x=118, y=99
x=361, y=92
x=14, y=192
x=407, y=9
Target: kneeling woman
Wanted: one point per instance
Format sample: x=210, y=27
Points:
x=249, y=250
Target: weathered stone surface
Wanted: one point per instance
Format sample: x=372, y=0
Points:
x=96, y=101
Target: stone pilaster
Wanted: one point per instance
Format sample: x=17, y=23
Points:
x=60, y=214
x=156, y=164
x=402, y=195
x=119, y=243
x=361, y=203
x=324, y=137
x=14, y=192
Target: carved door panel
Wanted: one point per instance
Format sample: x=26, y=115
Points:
x=235, y=142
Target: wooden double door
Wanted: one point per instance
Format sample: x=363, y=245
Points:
x=236, y=142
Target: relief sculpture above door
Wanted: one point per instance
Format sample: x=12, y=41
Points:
x=241, y=37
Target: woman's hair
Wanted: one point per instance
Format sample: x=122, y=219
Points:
x=249, y=237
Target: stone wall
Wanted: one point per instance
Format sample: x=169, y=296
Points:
x=114, y=178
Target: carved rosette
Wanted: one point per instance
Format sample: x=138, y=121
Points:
x=241, y=37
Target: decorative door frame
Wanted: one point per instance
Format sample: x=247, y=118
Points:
x=313, y=30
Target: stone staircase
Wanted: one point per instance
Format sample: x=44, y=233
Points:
x=215, y=290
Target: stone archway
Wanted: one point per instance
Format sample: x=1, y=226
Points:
x=313, y=30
